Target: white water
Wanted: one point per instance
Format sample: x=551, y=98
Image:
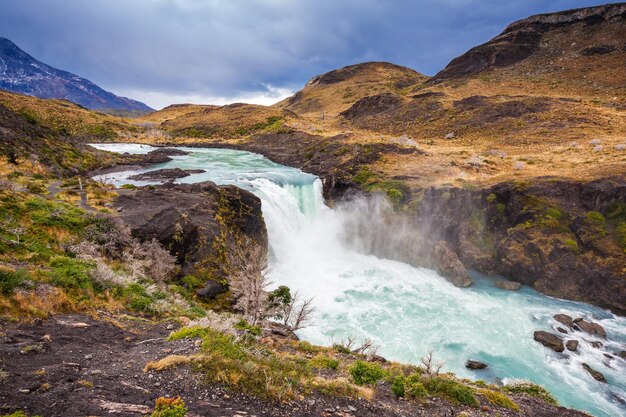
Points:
x=408, y=310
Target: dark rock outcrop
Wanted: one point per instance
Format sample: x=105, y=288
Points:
x=597, y=375
x=571, y=345
x=164, y=174
x=371, y=105
x=523, y=38
x=214, y=232
x=549, y=340
x=470, y=364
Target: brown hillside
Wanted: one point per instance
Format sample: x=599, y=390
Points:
x=172, y=112
x=328, y=94
x=231, y=121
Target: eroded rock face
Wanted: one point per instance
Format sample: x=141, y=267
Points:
x=549, y=340
x=508, y=285
x=449, y=265
x=214, y=231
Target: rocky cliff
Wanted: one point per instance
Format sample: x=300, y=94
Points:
x=214, y=232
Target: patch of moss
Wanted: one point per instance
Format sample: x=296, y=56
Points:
x=322, y=361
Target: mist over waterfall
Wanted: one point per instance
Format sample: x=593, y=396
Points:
x=343, y=259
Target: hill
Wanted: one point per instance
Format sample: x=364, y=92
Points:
x=21, y=73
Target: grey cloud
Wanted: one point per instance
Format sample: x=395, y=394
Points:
x=234, y=47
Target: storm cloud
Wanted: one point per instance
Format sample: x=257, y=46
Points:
x=166, y=51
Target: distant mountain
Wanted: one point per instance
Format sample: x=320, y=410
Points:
x=21, y=73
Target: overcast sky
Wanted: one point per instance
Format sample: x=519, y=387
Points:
x=220, y=51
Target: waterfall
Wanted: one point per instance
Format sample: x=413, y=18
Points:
x=408, y=311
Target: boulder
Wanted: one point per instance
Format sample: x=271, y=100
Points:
x=561, y=330
x=564, y=319
x=598, y=376
x=571, y=345
x=471, y=364
x=597, y=345
x=622, y=354
x=450, y=266
x=549, y=340
x=590, y=327
x=508, y=285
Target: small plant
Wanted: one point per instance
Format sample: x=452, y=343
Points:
x=253, y=330
x=397, y=386
x=450, y=389
x=572, y=244
x=365, y=373
x=169, y=407
x=10, y=280
x=324, y=362
x=414, y=388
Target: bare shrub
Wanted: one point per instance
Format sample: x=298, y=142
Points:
x=221, y=322
x=519, y=165
x=595, y=142
x=430, y=366
x=247, y=284
x=620, y=146
x=497, y=153
x=598, y=148
x=476, y=161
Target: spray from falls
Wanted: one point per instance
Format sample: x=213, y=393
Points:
x=342, y=258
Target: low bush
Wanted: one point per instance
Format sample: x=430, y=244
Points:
x=10, y=280
x=499, y=399
x=531, y=389
x=450, y=389
x=414, y=388
x=365, y=373
x=397, y=386
x=324, y=362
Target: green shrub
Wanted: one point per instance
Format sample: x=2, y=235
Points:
x=365, y=373
x=70, y=273
x=397, y=386
x=499, y=399
x=10, y=280
x=129, y=187
x=339, y=348
x=188, y=333
x=243, y=325
x=451, y=390
x=169, y=407
x=324, y=362
x=363, y=176
x=414, y=388
x=531, y=389
x=306, y=347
